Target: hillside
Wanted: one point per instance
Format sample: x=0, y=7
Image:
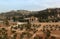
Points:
x=43, y=14
x=17, y=13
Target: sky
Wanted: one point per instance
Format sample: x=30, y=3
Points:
x=31, y=5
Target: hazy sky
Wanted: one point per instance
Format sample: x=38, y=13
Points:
x=7, y=5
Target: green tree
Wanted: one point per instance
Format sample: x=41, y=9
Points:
x=47, y=34
x=14, y=18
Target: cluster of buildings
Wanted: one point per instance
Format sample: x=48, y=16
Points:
x=33, y=21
